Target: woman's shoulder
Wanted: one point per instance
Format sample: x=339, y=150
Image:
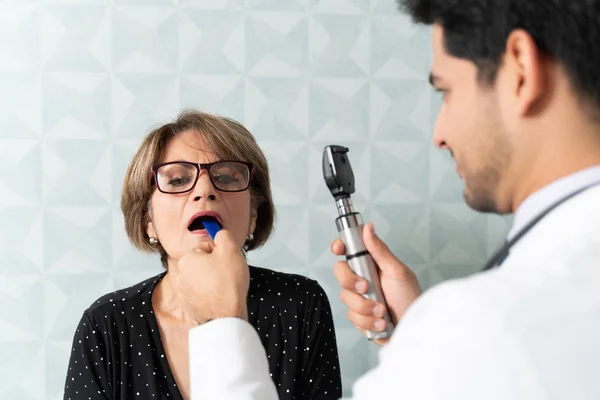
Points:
x=119, y=299
x=267, y=282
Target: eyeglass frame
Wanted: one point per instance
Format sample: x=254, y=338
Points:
x=200, y=166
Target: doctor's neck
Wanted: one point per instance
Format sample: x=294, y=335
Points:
x=555, y=147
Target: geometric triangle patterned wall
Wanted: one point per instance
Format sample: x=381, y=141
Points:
x=84, y=81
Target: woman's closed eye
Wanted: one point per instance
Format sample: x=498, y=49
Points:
x=178, y=181
x=225, y=178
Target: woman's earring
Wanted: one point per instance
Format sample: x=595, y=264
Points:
x=153, y=241
x=249, y=238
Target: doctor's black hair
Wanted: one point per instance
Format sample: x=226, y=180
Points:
x=567, y=31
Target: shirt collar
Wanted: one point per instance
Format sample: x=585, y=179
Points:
x=549, y=194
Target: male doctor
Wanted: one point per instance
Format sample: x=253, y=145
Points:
x=521, y=117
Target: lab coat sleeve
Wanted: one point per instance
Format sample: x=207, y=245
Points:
x=228, y=362
x=449, y=346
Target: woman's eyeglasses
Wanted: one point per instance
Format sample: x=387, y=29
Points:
x=181, y=176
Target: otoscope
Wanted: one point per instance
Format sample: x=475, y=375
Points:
x=339, y=178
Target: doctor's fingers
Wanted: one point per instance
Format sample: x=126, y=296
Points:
x=362, y=306
x=337, y=247
x=348, y=279
x=366, y=323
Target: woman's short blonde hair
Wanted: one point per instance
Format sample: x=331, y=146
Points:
x=229, y=139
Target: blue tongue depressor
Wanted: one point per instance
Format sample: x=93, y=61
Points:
x=212, y=227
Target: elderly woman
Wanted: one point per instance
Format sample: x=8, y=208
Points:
x=133, y=343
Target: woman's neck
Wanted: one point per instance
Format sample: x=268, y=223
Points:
x=168, y=302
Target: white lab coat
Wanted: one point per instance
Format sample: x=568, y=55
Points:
x=529, y=330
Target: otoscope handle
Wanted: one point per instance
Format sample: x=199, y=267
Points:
x=350, y=229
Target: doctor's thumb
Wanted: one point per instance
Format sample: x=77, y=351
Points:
x=379, y=250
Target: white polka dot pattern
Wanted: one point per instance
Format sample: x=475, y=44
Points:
x=118, y=354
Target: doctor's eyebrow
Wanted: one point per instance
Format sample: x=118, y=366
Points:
x=433, y=79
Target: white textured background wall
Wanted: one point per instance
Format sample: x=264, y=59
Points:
x=81, y=81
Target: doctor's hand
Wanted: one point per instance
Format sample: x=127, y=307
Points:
x=213, y=280
x=398, y=282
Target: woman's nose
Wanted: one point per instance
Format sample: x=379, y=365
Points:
x=204, y=188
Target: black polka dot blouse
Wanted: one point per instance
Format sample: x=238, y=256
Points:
x=117, y=351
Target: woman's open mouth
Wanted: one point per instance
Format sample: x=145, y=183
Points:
x=197, y=224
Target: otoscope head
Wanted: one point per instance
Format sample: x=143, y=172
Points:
x=337, y=171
